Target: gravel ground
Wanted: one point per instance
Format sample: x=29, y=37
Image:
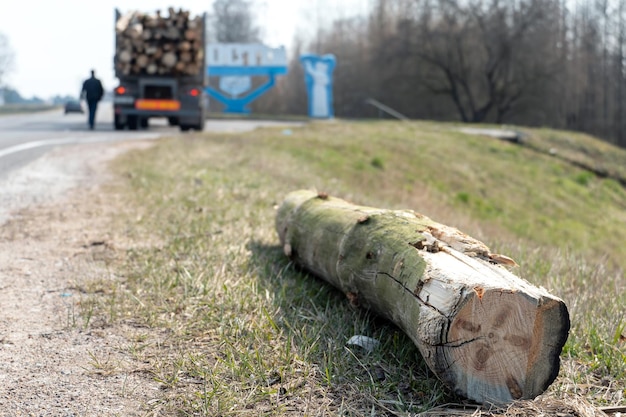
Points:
x=52, y=229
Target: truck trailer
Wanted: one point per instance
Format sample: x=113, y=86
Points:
x=160, y=64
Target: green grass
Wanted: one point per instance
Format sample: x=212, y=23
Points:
x=9, y=109
x=238, y=330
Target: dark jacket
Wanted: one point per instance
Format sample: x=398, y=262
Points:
x=92, y=89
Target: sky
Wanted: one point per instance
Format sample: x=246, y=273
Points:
x=57, y=42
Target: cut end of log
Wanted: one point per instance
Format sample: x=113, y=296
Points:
x=504, y=347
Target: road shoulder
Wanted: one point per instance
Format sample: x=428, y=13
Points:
x=53, y=242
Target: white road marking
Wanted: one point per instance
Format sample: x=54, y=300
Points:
x=78, y=141
x=35, y=144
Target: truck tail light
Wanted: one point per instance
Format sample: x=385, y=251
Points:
x=121, y=90
x=194, y=92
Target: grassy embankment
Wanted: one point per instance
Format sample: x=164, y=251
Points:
x=242, y=332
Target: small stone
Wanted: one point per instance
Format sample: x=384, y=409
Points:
x=378, y=373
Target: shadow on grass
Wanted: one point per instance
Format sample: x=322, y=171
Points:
x=317, y=320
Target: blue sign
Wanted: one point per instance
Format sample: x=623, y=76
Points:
x=318, y=72
x=235, y=85
x=235, y=63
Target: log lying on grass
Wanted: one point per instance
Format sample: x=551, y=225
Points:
x=487, y=334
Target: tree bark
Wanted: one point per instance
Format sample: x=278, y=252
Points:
x=487, y=334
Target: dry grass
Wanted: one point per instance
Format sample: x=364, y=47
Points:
x=235, y=329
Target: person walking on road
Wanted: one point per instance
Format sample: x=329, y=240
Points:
x=92, y=92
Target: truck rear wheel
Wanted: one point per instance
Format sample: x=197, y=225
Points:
x=117, y=124
x=200, y=126
x=133, y=122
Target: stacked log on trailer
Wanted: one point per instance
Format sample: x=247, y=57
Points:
x=154, y=44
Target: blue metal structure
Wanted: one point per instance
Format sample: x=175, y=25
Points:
x=235, y=64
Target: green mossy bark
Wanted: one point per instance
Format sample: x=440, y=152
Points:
x=360, y=250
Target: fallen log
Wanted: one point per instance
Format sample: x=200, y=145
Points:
x=487, y=334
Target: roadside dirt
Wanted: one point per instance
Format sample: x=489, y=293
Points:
x=53, y=240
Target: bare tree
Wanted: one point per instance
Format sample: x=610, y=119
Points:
x=234, y=21
x=6, y=57
x=484, y=54
x=619, y=79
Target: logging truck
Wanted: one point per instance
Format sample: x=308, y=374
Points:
x=159, y=61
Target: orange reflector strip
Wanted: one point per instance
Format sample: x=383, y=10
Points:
x=147, y=104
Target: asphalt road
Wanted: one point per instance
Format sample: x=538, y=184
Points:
x=26, y=137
